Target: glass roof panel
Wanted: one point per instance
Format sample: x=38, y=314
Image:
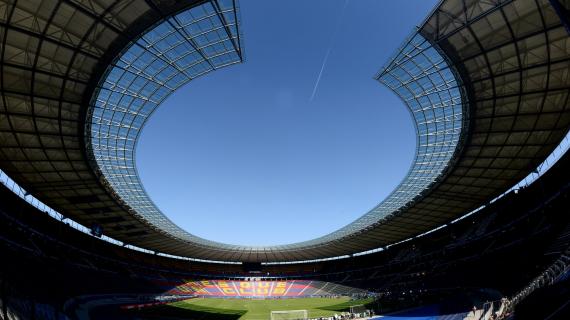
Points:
x=205, y=38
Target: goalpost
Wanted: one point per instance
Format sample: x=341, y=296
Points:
x=358, y=309
x=289, y=315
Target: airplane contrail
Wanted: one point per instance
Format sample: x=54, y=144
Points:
x=320, y=74
x=333, y=38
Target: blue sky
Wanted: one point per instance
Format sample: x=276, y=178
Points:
x=243, y=155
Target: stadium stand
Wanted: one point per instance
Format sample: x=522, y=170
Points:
x=526, y=225
x=259, y=289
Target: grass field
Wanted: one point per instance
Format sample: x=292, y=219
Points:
x=247, y=309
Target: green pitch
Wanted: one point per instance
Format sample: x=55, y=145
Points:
x=247, y=309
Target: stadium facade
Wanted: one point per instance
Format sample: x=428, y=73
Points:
x=486, y=82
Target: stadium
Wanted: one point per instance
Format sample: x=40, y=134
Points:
x=479, y=227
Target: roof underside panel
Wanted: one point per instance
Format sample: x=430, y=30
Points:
x=175, y=51
x=512, y=59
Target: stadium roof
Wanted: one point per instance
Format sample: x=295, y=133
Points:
x=487, y=83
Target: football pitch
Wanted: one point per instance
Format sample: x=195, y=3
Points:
x=248, y=309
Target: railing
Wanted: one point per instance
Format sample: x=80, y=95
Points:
x=501, y=309
x=546, y=278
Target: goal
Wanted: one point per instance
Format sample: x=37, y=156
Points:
x=357, y=309
x=289, y=315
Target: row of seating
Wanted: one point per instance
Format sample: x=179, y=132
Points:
x=248, y=289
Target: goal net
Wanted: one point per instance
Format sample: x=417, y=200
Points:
x=289, y=315
x=357, y=309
